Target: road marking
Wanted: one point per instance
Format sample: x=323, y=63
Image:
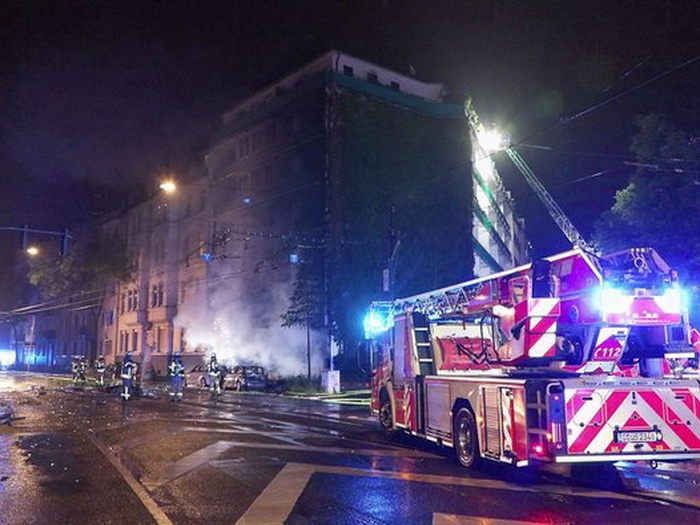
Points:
x=148, y=502
x=203, y=456
x=454, y=519
x=274, y=504
x=187, y=464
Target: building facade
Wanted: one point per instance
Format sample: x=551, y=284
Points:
x=340, y=184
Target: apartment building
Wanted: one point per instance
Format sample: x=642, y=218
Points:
x=343, y=174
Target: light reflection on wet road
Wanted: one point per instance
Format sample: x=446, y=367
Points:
x=268, y=459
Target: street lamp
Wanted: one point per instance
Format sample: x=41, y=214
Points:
x=32, y=250
x=168, y=186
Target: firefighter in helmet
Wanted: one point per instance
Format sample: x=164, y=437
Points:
x=214, y=375
x=100, y=368
x=177, y=378
x=79, y=370
x=128, y=374
x=75, y=369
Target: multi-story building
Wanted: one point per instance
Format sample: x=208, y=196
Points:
x=342, y=183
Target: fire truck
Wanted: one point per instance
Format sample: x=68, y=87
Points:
x=572, y=358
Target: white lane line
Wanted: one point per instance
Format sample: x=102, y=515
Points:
x=454, y=519
x=204, y=455
x=187, y=464
x=273, y=505
x=148, y=502
x=478, y=483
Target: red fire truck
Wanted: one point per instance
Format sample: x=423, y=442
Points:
x=573, y=358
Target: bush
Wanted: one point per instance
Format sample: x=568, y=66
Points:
x=299, y=385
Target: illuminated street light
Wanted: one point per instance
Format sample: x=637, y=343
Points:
x=168, y=186
x=32, y=250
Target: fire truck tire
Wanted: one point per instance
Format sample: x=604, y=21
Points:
x=386, y=419
x=466, y=441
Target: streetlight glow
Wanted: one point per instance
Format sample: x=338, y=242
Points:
x=493, y=141
x=168, y=186
x=32, y=250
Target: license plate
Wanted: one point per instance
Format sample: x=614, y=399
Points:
x=637, y=436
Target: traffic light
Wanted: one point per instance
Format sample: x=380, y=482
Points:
x=65, y=244
x=24, y=238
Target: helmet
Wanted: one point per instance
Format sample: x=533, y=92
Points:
x=213, y=356
x=128, y=357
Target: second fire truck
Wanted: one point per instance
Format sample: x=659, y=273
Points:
x=573, y=358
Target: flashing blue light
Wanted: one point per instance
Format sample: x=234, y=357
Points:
x=376, y=322
x=672, y=301
x=247, y=200
x=7, y=357
x=614, y=301
x=294, y=258
x=206, y=257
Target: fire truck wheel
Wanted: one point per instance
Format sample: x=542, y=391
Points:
x=385, y=417
x=466, y=441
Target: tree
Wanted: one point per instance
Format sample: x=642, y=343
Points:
x=659, y=206
x=81, y=276
x=306, y=304
x=89, y=266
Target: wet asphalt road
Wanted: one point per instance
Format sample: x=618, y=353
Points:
x=80, y=456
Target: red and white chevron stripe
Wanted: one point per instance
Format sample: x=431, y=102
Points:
x=543, y=314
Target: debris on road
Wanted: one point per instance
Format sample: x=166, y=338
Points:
x=6, y=414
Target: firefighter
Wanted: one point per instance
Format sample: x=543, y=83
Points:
x=177, y=377
x=75, y=369
x=100, y=368
x=214, y=374
x=128, y=373
x=82, y=370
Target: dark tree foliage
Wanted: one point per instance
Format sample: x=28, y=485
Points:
x=89, y=266
x=659, y=206
x=306, y=304
x=404, y=177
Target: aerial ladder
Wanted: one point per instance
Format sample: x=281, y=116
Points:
x=554, y=210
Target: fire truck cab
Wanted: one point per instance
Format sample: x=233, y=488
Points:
x=570, y=359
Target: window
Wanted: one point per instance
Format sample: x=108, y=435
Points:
x=395, y=85
x=154, y=296
x=202, y=200
x=287, y=125
x=231, y=153
x=244, y=182
x=135, y=340
x=258, y=140
x=161, y=294
x=348, y=71
x=244, y=146
x=372, y=78
x=130, y=301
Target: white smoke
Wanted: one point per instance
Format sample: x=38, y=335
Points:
x=244, y=330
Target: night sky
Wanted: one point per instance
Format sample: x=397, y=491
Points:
x=118, y=93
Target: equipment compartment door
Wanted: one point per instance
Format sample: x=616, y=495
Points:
x=499, y=422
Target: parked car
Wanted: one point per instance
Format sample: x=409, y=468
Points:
x=197, y=376
x=250, y=377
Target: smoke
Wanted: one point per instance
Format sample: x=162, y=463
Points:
x=244, y=328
